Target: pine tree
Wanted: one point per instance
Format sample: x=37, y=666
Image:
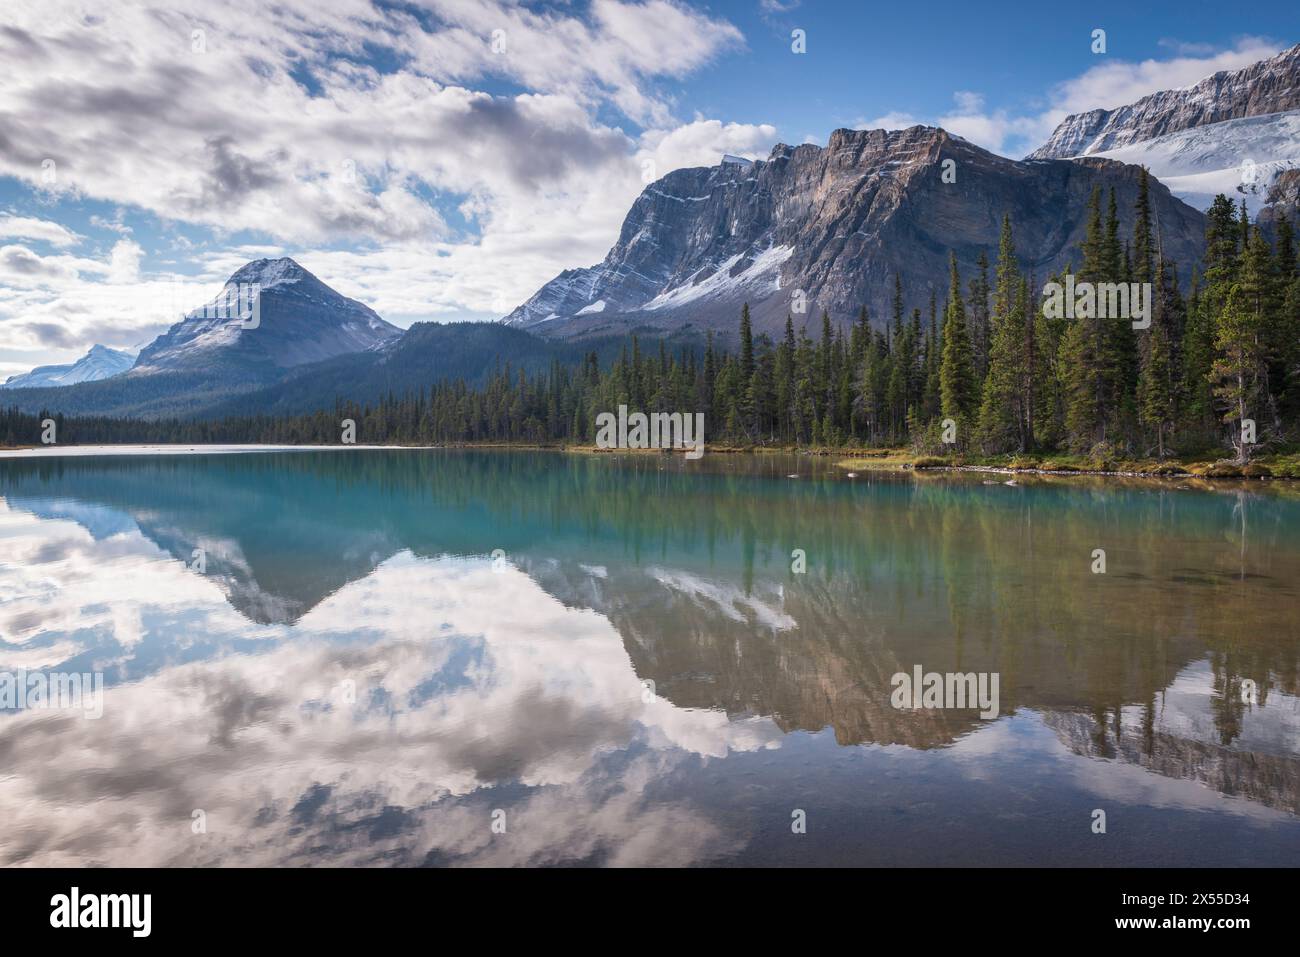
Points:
x=1004, y=420
x=746, y=344
x=978, y=320
x=1235, y=368
x=1286, y=253
x=1156, y=391
x=1263, y=297
x=932, y=398
x=783, y=374
x=1143, y=237
x=1085, y=353
x=1121, y=348
x=957, y=399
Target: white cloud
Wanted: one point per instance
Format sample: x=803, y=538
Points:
x=124, y=261
x=42, y=230
x=115, y=225
x=272, y=120
x=1113, y=83
x=230, y=138
x=702, y=143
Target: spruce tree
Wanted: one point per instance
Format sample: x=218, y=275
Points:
x=1235, y=371
x=1143, y=237
x=957, y=399
x=1003, y=419
x=1156, y=393
x=746, y=344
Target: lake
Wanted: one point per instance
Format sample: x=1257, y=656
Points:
x=452, y=657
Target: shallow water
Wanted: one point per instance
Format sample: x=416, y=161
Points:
x=454, y=657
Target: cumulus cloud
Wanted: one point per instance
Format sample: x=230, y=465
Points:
x=348, y=134
x=275, y=120
x=1113, y=83
x=57, y=305
x=124, y=261
x=698, y=143
x=41, y=230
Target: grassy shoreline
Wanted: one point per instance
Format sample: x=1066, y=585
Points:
x=1276, y=466
x=1285, y=466
x=1272, y=466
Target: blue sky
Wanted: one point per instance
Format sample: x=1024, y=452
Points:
x=442, y=159
x=868, y=60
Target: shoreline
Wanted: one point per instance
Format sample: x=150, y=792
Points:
x=1285, y=468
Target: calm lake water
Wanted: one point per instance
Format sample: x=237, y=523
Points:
x=505, y=658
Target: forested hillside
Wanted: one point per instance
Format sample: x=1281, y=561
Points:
x=989, y=357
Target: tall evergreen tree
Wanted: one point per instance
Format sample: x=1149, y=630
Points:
x=957, y=398
x=1004, y=414
x=1235, y=369
x=1156, y=386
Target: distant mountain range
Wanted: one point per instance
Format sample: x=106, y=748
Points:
x=1269, y=86
x=309, y=347
x=100, y=362
x=1236, y=132
x=808, y=229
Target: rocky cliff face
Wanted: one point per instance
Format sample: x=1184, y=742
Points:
x=829, y=228
x=1283, y=199
x=1269, y=86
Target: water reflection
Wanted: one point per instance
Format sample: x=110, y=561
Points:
x=354, y=679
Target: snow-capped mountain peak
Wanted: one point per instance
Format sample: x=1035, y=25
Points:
x=1235, y=132
x=1269, y=86
x=298, y=319
x=99, y=363
x=269, y=273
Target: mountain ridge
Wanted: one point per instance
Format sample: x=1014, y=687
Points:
x=830, y=228
x=1267, y=86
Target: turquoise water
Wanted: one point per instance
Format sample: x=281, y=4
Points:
x=451, y=657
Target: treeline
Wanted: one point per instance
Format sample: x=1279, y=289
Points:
x=1207, y=372
x=990, y=370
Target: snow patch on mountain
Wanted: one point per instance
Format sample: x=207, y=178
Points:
x=1269, y=86
x=1236, y=156
x=733, y=277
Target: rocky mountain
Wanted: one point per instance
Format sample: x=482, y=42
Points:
x=1240, y=158
x=99, y=363
x=1282, y=199
x=1269, y=86
x=298, y=320
x=226, y=348
x=829, y=228
x=1236, y=133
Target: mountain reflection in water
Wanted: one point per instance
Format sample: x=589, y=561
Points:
x=638, y=677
